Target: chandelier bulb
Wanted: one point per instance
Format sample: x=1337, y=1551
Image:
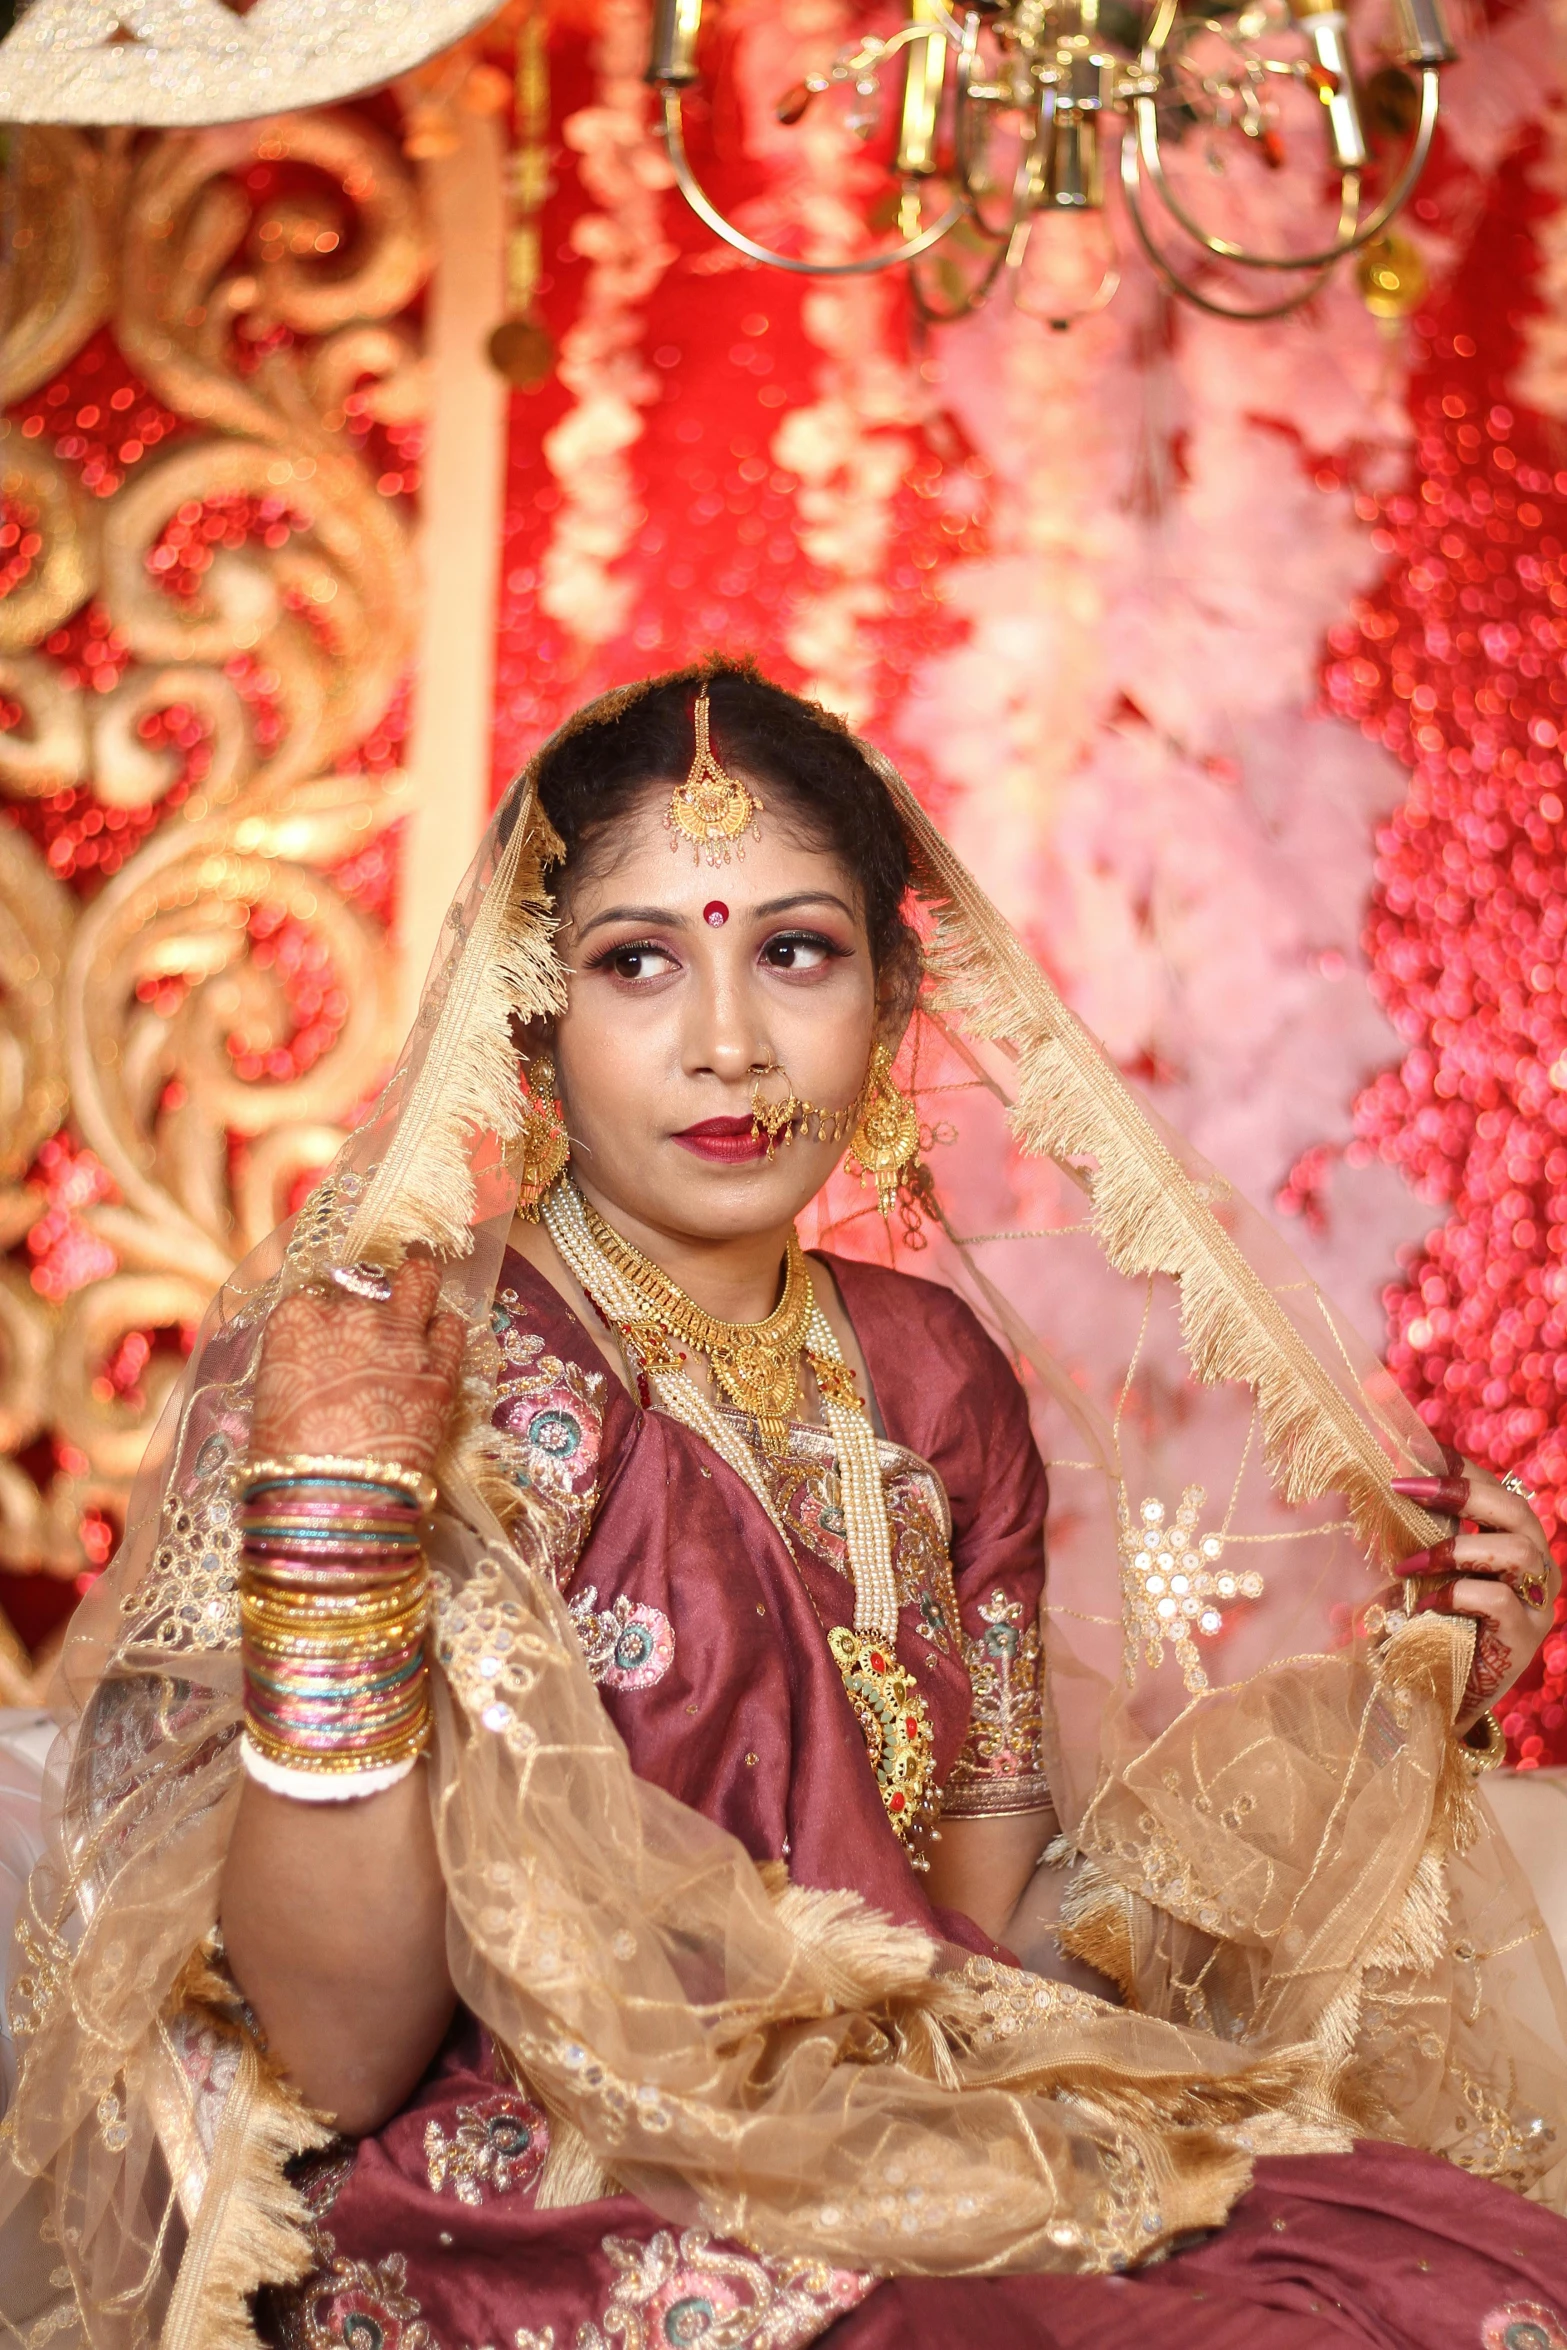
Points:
x=1062, y=266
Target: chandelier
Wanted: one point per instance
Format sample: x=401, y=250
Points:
x=1003, y=118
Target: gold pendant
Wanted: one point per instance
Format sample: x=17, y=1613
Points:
x=894, y=1722
x=764, y=1382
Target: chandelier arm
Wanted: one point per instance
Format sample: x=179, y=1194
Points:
x=1170, y=276
x=965, y=148
x=695, y=195
x=1159, y=33
x=1146, y=150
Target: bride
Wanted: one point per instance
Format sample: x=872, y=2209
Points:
x=582, y=1731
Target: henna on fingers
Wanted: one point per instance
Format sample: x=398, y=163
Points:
x=1491, y=1671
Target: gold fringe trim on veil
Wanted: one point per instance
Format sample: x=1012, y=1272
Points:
x=506, y=972
x=250, y=2225
x=254, y=2225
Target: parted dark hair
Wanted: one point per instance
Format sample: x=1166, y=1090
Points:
x=804, y=762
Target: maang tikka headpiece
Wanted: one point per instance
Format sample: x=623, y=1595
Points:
x=711, y=809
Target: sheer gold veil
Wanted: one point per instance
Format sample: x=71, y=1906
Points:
x=1273, y=1843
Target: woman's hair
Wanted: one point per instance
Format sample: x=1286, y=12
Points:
x=810, y=773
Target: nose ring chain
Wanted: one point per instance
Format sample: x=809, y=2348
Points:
x=779, y=1121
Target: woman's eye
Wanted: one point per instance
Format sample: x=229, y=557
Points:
x=798, y=951
x=639, y=960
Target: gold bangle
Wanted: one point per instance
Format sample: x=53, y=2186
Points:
x=397, y=1749
x=338, y=1469
x=348, y=1640
x=299, y=1582
x=351, y=1649
x=383, y=1596
x=257, y=1575
x=1493, y=1753
x=290, y=1624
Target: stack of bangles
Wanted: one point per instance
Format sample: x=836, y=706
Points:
x=334, y=1601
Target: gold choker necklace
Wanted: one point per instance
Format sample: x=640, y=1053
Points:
x=757, y=1364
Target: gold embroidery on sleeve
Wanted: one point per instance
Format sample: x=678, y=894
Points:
x=1000, y=1768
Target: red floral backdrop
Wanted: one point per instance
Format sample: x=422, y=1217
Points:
x=1455, y=661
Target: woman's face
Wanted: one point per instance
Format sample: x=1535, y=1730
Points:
x=687, y=981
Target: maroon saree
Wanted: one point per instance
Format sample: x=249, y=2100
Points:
x=708, y=1642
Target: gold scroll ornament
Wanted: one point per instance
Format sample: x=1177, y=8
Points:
x=166, y=247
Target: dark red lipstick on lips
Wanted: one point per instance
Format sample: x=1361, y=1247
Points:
x=724, y=1142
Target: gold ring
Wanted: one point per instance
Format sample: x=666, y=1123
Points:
x=1515, y=1484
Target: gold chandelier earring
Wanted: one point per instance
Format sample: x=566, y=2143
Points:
x=544, y=1147
x=885, y=1145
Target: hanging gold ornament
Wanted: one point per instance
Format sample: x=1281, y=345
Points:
x=544, y=1147
x=521, y=347
x=774, y=1120
x=894, y=1723
x=712, y=808
x=1392, y=277
x=781, y=1121
x=885, y=1144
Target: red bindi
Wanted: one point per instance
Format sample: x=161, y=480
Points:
x=715, y=913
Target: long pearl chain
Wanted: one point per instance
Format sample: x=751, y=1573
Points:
x=859, y=1477
x=625, y=1309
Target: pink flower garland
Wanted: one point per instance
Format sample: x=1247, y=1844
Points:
x=626, y=172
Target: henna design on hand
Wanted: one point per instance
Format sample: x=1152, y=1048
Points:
x=359, y=1376
x=1490, y=1671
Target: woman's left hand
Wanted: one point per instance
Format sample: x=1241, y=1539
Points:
x=1503, y=1576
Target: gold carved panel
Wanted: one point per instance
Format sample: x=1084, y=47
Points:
x=246, y=586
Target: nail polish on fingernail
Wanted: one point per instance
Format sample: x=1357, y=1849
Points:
x=1438, y=1560
x=1453, y=1460
x=1435, y=1603
x=1438, y=1493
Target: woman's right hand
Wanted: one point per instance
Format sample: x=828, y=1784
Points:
x=368, y=1378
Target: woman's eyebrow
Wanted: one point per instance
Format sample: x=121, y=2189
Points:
x=806, y=897
x=659, y=915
